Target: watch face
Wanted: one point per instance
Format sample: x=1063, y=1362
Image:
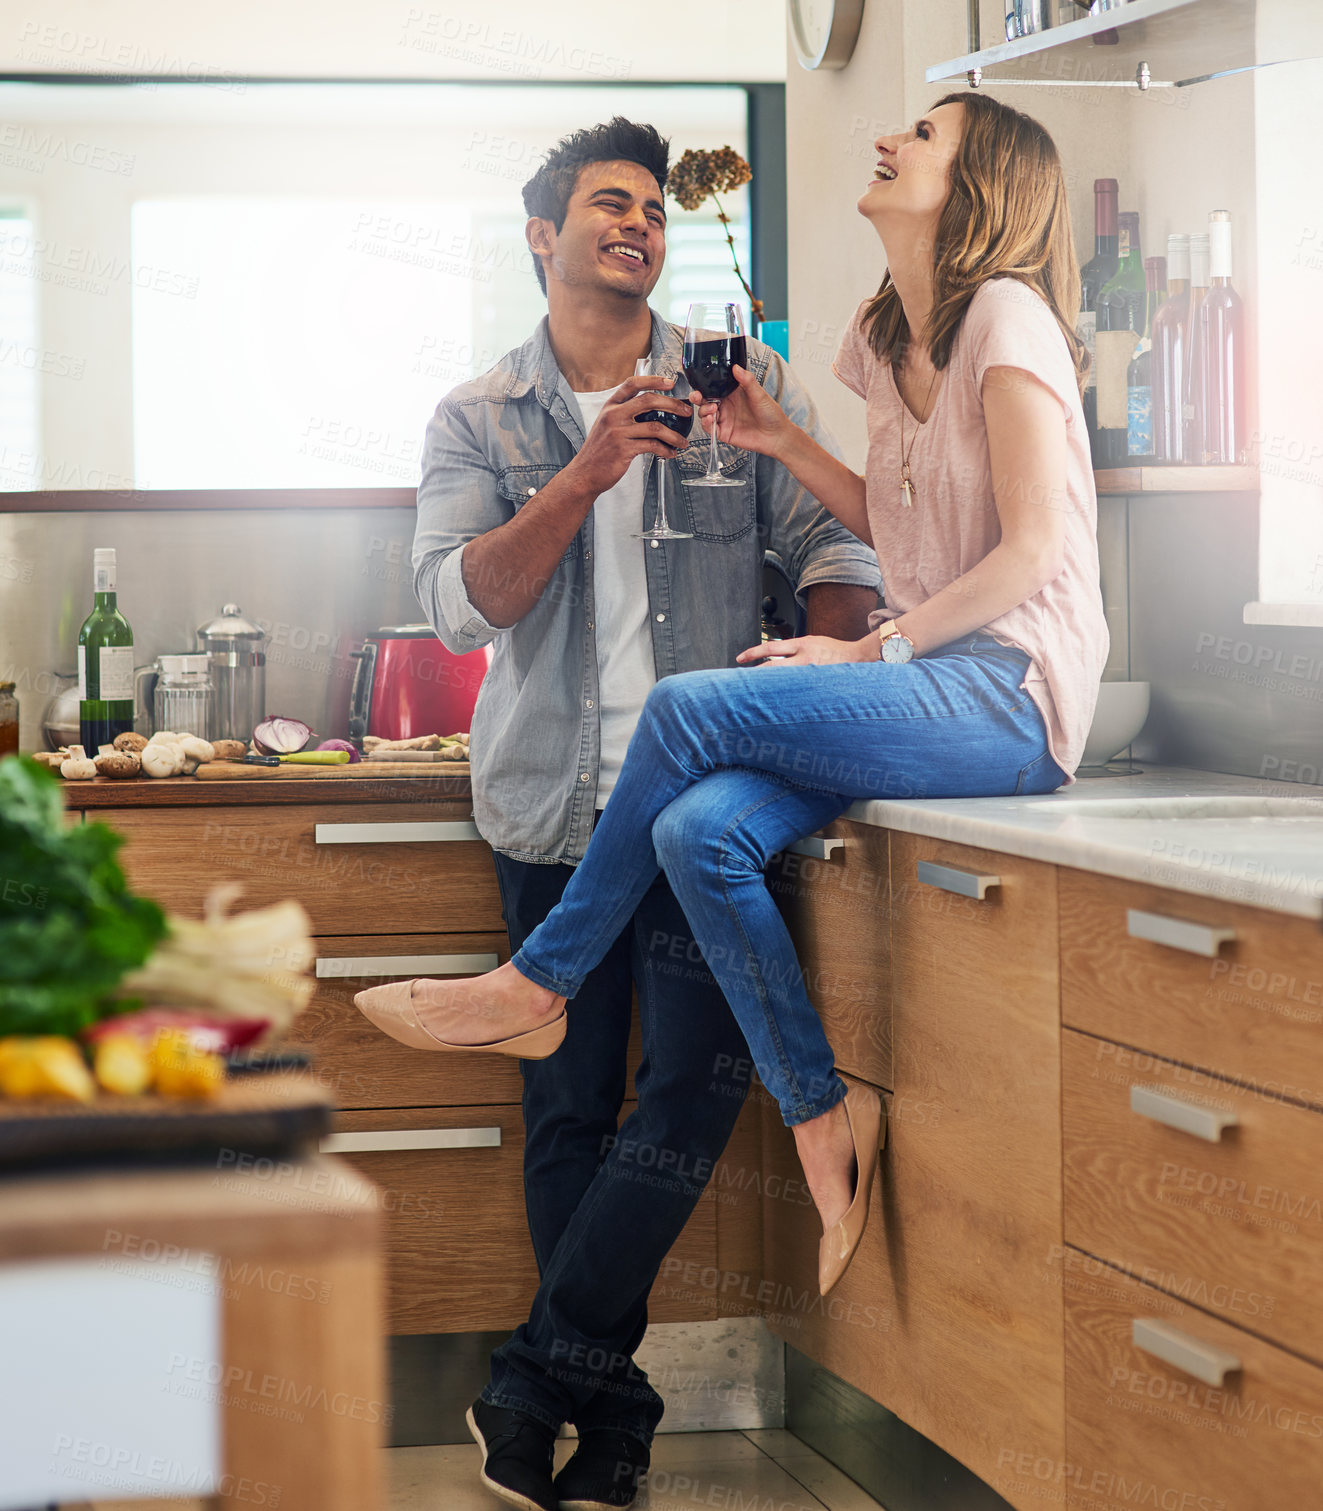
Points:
x=897, y=648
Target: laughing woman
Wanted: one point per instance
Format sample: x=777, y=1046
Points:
x=979, y=679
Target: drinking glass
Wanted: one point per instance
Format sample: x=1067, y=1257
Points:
x=660, y=367
x=713, y=344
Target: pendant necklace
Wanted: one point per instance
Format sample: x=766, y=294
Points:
x=908, y=493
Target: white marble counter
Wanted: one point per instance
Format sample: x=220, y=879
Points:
x=1239, y=838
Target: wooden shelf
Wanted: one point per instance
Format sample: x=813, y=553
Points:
x=1182, y=41
x=101, y=500
x=1176, y=480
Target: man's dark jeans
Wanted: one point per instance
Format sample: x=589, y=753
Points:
x=604, y=1208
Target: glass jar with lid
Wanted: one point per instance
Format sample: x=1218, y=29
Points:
x=181, y=693
x=8, y=720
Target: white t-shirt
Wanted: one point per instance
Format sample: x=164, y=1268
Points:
x=625, y=668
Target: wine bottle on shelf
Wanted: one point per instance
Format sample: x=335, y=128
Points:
x=1120, y=323
x=1220, y=351
x=1170, y=339
x=105, y=662
x=1193, y=405
x=1093, y=277
x=1139, y=375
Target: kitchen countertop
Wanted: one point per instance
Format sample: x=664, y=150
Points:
x=1273, y=861
x=1269, y=860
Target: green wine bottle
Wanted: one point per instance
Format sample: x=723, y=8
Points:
x=105, y=662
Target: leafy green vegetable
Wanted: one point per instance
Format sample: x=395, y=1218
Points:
x=69, y=926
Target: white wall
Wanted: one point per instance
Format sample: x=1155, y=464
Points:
x=727, y=40
x=1177, y=155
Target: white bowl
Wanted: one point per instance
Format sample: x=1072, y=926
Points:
x=1118, y=718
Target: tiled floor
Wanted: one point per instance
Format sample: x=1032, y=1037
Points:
x=724, y=1469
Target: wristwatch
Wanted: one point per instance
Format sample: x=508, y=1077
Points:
x=893, y=645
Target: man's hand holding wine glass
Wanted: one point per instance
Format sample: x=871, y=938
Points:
x=618, y=437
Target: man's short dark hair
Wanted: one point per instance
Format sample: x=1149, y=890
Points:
x=547, y=193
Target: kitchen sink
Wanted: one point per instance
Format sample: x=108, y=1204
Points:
x=1186, y=809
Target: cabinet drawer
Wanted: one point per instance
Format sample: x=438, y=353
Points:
x=1142, y=1432
x=374, y=868
x=1234, y=1225
x=458, y=1254
x=364, y=1067
x=1251, y=1010
x=833, y=893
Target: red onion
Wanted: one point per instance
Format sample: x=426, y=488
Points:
x=342, y=745
x=277, y=735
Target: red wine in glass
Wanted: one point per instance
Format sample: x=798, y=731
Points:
x=680, y=423
x=708, y=362
x=713, y=343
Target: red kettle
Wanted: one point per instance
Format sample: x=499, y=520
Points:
x=407, y=684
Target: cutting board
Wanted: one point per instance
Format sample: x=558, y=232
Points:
x=270, y=1114
x=236, y=771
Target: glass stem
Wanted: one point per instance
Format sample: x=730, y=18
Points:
x=661, y=494
x=713, y=470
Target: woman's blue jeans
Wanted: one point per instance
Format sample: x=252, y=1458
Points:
x=727, y=767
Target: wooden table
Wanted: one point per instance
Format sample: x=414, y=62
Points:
x=296, y=1251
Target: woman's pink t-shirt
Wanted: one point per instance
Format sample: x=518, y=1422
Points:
x=953, y=522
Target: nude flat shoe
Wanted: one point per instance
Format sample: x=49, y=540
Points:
x=868, y=1130
x=391, y=1009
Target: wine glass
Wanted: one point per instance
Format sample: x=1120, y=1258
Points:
x=661, y=367
x=713, y=344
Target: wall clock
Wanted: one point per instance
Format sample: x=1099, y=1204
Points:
x=825, y=31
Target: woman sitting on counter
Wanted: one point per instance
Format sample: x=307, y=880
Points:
x=979, y=678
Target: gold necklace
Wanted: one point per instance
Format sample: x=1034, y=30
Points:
x=908, y=492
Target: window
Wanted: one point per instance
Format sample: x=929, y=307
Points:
x=22, y=364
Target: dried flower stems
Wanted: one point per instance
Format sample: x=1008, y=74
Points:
x=699, y=174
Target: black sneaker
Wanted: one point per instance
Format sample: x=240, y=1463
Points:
x=604, y=1473
x=517, y=1456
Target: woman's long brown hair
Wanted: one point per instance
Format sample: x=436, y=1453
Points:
x=1005, y=217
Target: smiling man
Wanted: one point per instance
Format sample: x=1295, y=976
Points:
x=537, y=479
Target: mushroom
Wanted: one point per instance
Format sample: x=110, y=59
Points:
x=196, y=749
x=76, y=767
x=51, y=759
x=117, y=763
x=162, y=758
x=130, y=740
x=229, y=750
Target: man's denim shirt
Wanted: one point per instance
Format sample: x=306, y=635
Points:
x=490, y=446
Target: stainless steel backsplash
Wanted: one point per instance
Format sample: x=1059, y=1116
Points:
x=1226, y=696
x=317, y=580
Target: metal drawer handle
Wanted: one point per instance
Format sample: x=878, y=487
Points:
x=1175, y=1112
x=948, y=879
x=391, y=1140
x=394, y=834
x=1188, y=1354
x=330, y=967
x=815, y=847
x=1176, y=933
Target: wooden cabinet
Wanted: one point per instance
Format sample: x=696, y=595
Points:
x=1205, y=1188
x=370, y=868
x=833, y=893
x=397, y=889
x=1044, y=1187
x=944, y=1316
x=1244, y=1433
x=1234, y=989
